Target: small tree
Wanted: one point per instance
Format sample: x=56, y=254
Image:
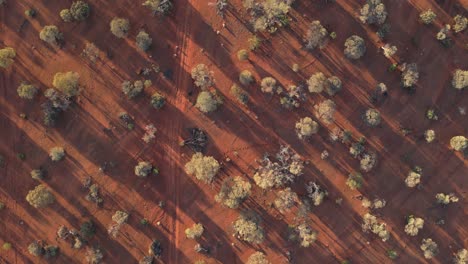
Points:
x=459, y=143
x=94, y=255
x=195, y=231
x=285, y=199
x=429, y=135
x=27, y=91
x=40, y=197
x=258, y=258
x=460, y=79
x=202, y=76
x=143, y=40
x=373, y=12
x=317, y=36
x=429, y=248
x=246, y=77
x=427, y=16
x=460, y=23
x=355, y=47
x=6, y=57
x=370, y=224
x=372, y=117
x=445, y=199
x=355, y=180
x=410, y=75
x=268, y=85
x=254, y=42
x=51, y=35
x=306, y=235
x=56, y=153
x=316, y=82
x=119, y=27
x=306, y=127
x=132, y=90
x=325, y=111
x=143, y=169
x=160, y=7
x=413, y=225
x=247, y=228
x=413, y=178
x=66, y=15
x=315, y=193
x=87, y=230
x=332, y=85
x=158, y=100
x=233, y=192
x=207, y=102
x=204, y=168
x=67, y=83
x=243, y=55
x=80, y=10
x=239, y=94
x=461, y=257
x=36, y=249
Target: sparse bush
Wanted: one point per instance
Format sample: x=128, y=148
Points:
x=94, y=255
x=459, y=143
x=355, y=47
x=67, y=83
x=285, y=199
x=247, y=228
x=410, y=75
x=372, y=225
x=431, y=114
x=233, y=192
x=332, y=85
x=316, y=82
x=413, y=178
x=143, y=169
x=160, y=7
x=292, y=97
x=202, y=76
x=158, y=100
x=56, y=153
x=51, y=35
x=7, y=55
x=461, y=257
x=276, y=174
x=460, y=79
x=373, y=12
x=195, y=231
x=268, y=85
x=120, y=217
x=268, y=15
x=204, y=168
x=392, y=254
x=317, y=36
x=239, y=94
x=307, y=236
x=143, y=40
x=40, y=197
x=355, y=180
x=246, y=77
x=413, y=225
x=243, y=55
x=306, y=127
x=427, y=16
x=429, y=248
x=445, y=199
x=315, y=193
x=460, y=23
x=93, y=195
x=207, y=102
x=258, y=258
x=325, y=111
x=429, y=135
x=389, y=50
x=27, y=91
x=119, y=27
x=90, y=52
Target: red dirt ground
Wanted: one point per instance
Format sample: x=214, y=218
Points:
x=249, y=131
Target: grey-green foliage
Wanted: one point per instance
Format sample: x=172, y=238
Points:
x=247, y=228
x=233, y=192
x=120, y=27
x=460, y=79
x=27, y=91
x=51, y=34
x=373, y=12
x=161, y=7
x=427, y=16
x=78, y=11
x=355, y=47
x=207, y=101
x=317, y=36
x=143, y=40
x=410, y=75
